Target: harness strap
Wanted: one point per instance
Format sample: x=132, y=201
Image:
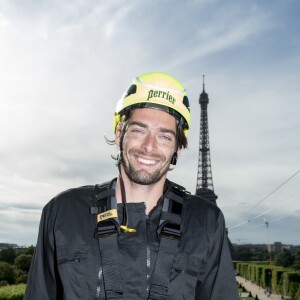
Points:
x=107, y=231
x=111, y=268
x=169, y=233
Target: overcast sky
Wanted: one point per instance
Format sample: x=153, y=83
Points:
x=64, y=65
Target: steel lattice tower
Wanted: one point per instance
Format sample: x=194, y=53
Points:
x=205, y=187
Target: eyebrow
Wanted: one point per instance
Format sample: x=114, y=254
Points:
x=143, y=125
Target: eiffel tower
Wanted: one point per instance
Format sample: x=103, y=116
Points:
x=205, y=187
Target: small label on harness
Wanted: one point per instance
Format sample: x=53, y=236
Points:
x=107, y=215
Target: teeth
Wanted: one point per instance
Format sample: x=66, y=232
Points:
x=146, y=161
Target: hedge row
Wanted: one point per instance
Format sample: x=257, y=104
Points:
x=281, y=280
x=12, y=292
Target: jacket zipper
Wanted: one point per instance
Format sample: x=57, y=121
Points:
x=147, y=255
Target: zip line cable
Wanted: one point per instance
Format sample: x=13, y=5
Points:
x=258, y=216
x=267, y=211
x=273, y=221
x=275, y=190
x=263, y=199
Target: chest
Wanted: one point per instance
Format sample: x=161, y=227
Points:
x=80, y=265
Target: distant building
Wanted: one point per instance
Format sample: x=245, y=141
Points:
x=277, y=247
x=6, y=245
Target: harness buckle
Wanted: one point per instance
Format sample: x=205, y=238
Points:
x=171, y=231
x=107, y=228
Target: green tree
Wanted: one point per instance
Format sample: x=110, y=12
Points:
x=7, y=272
x=296, y=265
x=8, y=255
x=243, y=254
x=284, y=259
x=3, y=283
x=20, y=276
x=27, y=250
x=23, y=262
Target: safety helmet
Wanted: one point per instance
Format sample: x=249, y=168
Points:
x=159, y=91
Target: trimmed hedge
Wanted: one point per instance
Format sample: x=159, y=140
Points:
x=12, y=292
x=282, y=280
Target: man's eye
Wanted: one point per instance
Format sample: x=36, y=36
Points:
x=135, y=130
x=165, y=137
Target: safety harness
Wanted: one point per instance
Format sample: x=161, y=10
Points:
x=108, y=229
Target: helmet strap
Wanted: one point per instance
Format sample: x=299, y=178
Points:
x=120, y=154
x=119, y=157
x=175, y=155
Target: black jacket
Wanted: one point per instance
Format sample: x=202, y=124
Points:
x=67, y=265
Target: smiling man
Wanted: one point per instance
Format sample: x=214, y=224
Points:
x=138, y=236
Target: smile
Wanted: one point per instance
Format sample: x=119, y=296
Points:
x=146, y=161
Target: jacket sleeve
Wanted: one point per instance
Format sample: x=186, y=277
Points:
x=220, y=280
x=43, y=280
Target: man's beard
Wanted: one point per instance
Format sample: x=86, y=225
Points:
x=143, y=177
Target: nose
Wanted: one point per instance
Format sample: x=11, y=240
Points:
x=149, y=143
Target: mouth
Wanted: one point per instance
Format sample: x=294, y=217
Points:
x=146, y=161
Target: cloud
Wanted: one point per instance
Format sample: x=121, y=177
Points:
x=64, y=65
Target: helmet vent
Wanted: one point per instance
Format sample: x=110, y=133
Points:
x=186, y=102
x=131, y=90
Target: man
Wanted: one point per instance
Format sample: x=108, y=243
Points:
x=138, y=236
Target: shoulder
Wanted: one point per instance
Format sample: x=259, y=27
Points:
x=199, y=203
x=77, y=196
x=200, y=212
x=73, y=197
x=74, y=193
x=194, y=201
x=202, y=217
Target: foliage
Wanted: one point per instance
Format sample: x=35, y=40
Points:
x=8, y=255
x=15, y=264
x=296, y=265
x=20, y=276
x=284, y=259
x=3, y=283
x=282, y=280
x=7, y=272
x=249, y=254
x=23, y=262
x=27, y=251
x=12, y=292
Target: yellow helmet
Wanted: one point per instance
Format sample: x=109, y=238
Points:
x=156, y=90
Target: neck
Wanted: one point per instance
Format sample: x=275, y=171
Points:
x=149, y=194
